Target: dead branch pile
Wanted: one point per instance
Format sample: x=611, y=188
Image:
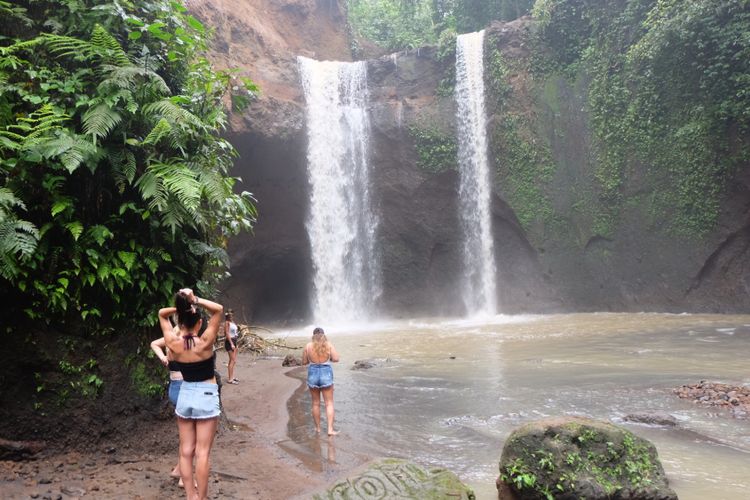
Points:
x=249, y=340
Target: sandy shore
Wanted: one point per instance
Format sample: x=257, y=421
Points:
x=252, y=457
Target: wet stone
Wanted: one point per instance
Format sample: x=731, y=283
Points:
x=394, y=478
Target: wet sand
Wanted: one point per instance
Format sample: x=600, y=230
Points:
x=252, y=457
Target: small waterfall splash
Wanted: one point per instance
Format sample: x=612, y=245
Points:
x=479, y=287
x=341, y=224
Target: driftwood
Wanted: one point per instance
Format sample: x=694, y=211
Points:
x=248, y=340
x=16, y=450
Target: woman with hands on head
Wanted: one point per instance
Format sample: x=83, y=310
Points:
x=197, y=406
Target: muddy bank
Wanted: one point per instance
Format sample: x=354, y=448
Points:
x=247, y=462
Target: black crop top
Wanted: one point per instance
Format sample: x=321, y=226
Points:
x=197, y=371
x=173, y=366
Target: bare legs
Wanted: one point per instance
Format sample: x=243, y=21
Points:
x=232, y=362
x=327, y=393
x=315, y=394
x=328, y=399
x=196, y=438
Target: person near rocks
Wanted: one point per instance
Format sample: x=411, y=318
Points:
x=318, y=355
x=198, y=406
x=159, y=346
x=231, y=335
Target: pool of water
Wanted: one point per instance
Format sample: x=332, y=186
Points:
x=448, y=393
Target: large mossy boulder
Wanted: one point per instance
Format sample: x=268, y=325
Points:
x=575, y=458
x=394, y=478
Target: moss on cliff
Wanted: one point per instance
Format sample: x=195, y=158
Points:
x=666, y=104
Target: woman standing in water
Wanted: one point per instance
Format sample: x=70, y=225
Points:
x=319, y=354
x=230, y=345
x=197, y=406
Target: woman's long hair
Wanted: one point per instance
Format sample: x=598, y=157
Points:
x=320, y=343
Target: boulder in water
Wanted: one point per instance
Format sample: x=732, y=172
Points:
x=575, y=457
x=290, y=360
x=366, y=364
x=655, y=418
x=395, y=478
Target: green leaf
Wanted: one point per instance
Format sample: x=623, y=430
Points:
x=75, y=228
x=60, y=205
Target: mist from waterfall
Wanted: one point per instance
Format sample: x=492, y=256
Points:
x=479, y=287
x=341, y=224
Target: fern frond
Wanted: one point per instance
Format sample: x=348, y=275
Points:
x=125, y=167
x=202, y=249
x=131, y=77
x=8, y=200
x=100, y=120
x=174, y=113
x=61, y=46
x=161, y=129
x=71, y=150
x=18, y=238
x=110, y=46
x=179, y=181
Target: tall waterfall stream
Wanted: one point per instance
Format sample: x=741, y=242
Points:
x=341, y=224
x=475, y=190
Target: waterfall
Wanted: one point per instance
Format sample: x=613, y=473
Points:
x=479, y=287
x=341, y=224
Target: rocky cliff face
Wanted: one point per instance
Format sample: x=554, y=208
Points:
x=547, y=254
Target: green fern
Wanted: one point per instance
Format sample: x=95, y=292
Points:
x=100, y=120
x=170, y=110
x=106, y=42
x=161, y=129
x=18, y=238
x=132, y=77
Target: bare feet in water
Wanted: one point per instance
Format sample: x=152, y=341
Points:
x=331, y=432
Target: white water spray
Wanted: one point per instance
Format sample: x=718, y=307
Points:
x=479, y=287
x=342, y=223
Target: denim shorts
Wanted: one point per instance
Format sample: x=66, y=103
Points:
x=198, y=400
x=174, y=391
x=319, y=376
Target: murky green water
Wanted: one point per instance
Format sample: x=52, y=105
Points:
x=451, y=392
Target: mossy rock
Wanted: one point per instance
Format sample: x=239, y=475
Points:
x=394, y=478
x=575, y=457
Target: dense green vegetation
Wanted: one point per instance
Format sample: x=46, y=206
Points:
x=114, y=186
x=405, y=24
x=668, y=98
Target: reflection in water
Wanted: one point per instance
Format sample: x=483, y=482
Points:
x=453, y=391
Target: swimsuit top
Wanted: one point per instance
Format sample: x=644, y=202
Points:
x=232, y=329
x=326, y=362
x=198, y=371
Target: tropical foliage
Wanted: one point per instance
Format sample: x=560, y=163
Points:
x=114, y=186
x=404, y=24
x=668, y=93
